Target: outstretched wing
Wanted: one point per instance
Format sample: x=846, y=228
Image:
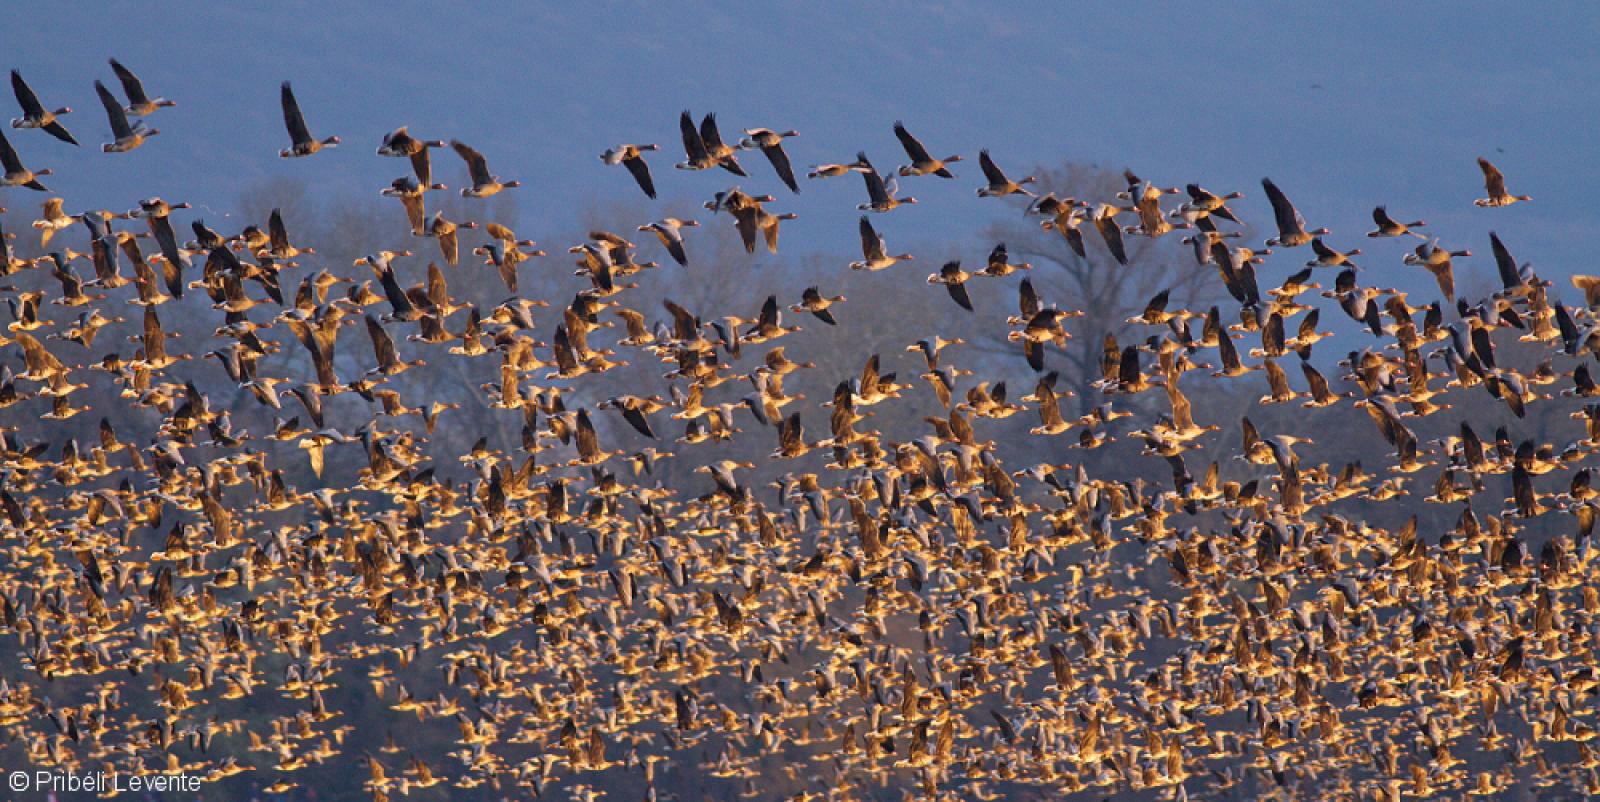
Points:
x=292, y=119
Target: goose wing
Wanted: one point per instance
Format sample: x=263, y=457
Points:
x=476, y=164
x=780, y=162
x=871, y=243
x=641, y=174
x=1493, y=180
x=693, y=145
x=292, y=119
x=29, y=102
x=1283, y=212
x=114, y=111
x=990, y=170
x=131, y=85
x=914, y=148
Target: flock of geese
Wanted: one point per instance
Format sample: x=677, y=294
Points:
x=923, y=617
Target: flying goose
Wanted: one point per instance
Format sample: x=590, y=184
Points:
x=999, y=185
x=812, y=300
x=484, y=183
x=301, y=143
x=445, y=231
x=1292, y=231
x=15, y=174
x=836, y=170
x=1495, y=184
x=139, y=103
x=1389, y=227
x=771, y=144
x=1328, y=257
x=126, y=136
x=880, y=194
x=954, y=280
x=35, y=115
x=669, y=231
x=873, y=254
x=921, y=162
x=52, y=219
x=704, y=146
x=399, y=143
x=631, y=157
x=410, y=193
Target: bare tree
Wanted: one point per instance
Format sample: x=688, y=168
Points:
x=1105, y=292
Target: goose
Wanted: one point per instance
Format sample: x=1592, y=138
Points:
x=812, y=300
x=1147, y=205
x=445, y=232
x=1495, y=184
x=921, y=162
x=399, y=143
x=999, y=185
x=999, y=264
x=954, y=280
x=410, y=193
x=52, y=219
x=1207, y=203
x=754, y=221
x=484, y=184
x=704, y=146
x=880, y=194
x=15, y=174
x=1065, y=215
x=1437, y=261
x=1328, y=257
x=836, y=170
x=35, y=115
x=1105, y=221
x=670, y=231
x=873, y=254
x=632, y=157
x=770, y=143
x=1389, y=227
x=140, y=104
x=301, y=143
x=1292, y=231
x=127, y=137
x=505, y=251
